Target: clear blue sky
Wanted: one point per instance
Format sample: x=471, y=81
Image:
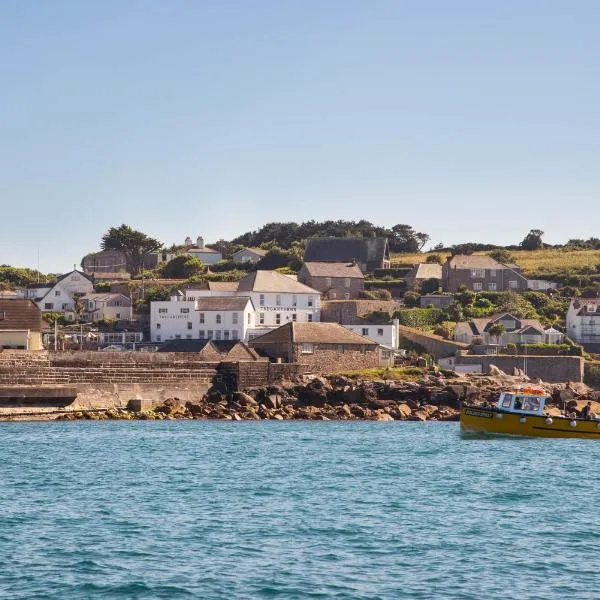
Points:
x=470, y=120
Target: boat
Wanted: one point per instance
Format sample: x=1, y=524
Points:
x=522, y=413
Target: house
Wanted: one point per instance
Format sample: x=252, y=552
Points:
x=422, y=272
x=583, y=322
x=205, y=349
x=322, y=347
x=370, y=253
x=541, y=285
x=20, y=325
x=113, y=261
x=204, y=318
x=99, y=306
x=249, y=255
x=207, y=255
x=277, y=298
x=61, y=295
x=342, y=281
x=383, y=334
x=479, y=272
x=516, y=331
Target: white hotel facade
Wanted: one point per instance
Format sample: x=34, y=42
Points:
x=261, y=301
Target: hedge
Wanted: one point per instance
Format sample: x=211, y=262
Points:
x=591, y=375
x=545, y=349
x=398, y=273
x=419, y=318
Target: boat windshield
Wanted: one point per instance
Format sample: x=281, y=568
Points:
x=523, y=403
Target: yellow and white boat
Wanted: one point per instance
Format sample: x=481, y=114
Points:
x=521, y=412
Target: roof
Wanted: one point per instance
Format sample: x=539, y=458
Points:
x=223, y=286
x=334, y=249
x=224, y=303
x=587, y=307
x=16, y=314
x=103, y=296
x=333, y=269
x=235, y=349
x=315, y=333
x=65, y=275
x=103, y=275
x=427, y=271
x=33, y=286
x=272, y=281
x=206, y=250
x=258, y=251
x=186, y=345
x=481, y=325
x=474, y=261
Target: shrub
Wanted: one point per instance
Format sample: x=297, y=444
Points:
x=435, y=258
x=412, y=298
x=419, y=318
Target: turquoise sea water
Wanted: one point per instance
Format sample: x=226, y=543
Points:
x=221, y=510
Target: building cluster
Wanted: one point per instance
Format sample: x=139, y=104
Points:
x=314, y=317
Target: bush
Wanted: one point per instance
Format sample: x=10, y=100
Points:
x=419, y=318
x=395, y=273
x=182, y=267
x=429, y=286
x=435, y=258
x=412, y=298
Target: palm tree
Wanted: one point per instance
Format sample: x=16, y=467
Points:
x=496, y=330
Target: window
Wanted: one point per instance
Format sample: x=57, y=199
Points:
x=184, y=311
x=294, y=317
x=294, y=300
x=278, y=300
x=48, y=306
x=57, y=293
x=328, y=282
x=310, y=301
x=249, y=318
x=217, y=334
x=190, y=297
x=477, y=273
x=162, y=311
x=347, y=282
x=158, y=338
x=234, y=318
x=278, y=319
x=188, y=336
x=189, y=325
x=332, y=295
x=226, y=334
x=347, y=296
x=201, y=315
x=262, y=300
x=177, y=336
x=261, y=318
x=310, y=318
x=365, y=331
x=492, y=287
x=340, y=348
x=218, y=319
x=492, y=272
x=477, y=286
x=234, y=334
x=118, y=315
x=512, y=284
x=74, y=278
x=201, y=334
x=209, y=334
x=363, y=349
x=380, y=331
x=306, y=348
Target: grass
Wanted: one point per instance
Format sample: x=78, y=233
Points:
x=387, y=373
x=538, y=262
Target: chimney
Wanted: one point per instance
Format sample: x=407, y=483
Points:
x=188, y=241
x=200, y=242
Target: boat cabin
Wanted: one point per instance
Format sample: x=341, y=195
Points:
x=523, y=402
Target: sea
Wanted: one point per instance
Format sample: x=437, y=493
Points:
x=343, y=510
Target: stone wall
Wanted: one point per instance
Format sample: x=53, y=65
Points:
x=348, y=312
x=553, y=369
x=435, y=345
x=327, y=359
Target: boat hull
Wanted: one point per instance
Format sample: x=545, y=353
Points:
x=492, y=421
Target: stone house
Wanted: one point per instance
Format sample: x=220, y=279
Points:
x=109, y=262
x=369, y=253
x=343, y=281
x=322, y=347
x=583, y=322
x=517, y=331
x=20, y=325
x=249, y=255
x=481, y=273
x=422, y=272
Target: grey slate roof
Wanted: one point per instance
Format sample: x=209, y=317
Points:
x=332, y=249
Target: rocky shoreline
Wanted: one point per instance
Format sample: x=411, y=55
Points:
x=431, y=398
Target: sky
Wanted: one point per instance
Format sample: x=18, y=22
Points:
x=469, y=120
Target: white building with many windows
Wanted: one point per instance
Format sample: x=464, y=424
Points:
x=61, y=295
x=218, y=318
x=385, y=335
x=583, y=322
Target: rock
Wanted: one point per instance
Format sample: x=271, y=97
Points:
x=278, y=417
x=384, y=417
x=418, y=415
x=244, y=399
x=272, y=401
x=404, y=410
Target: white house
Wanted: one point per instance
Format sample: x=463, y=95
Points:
x=218, y=317
x=249, y=255
x=99, y=306
x=60, y=296
x=277, y=298
x=385, y=335
x=207, y=255
x=583, y=322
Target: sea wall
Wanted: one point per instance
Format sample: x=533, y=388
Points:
x=435, y=345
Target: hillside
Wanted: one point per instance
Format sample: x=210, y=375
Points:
x=549, y=262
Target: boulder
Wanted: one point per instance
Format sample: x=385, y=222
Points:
x=404, y=410
x=244, y=399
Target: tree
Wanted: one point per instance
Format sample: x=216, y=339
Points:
x=182, y=267
x=135, y=245
x=533, y=240
x=405, y=239
x=430, y=286
x=496, y=330
x=435, y=259
x=412, y=298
